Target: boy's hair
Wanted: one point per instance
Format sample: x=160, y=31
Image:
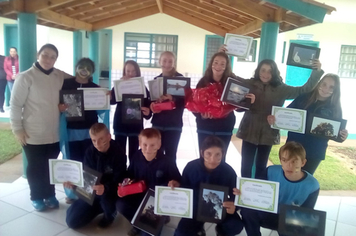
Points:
x=294, y=150
x=97, y=128
x=212, y=141
x=150, y=133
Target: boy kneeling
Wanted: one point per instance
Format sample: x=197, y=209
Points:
x=297, y=187
x=151, y=165
x=211, y=170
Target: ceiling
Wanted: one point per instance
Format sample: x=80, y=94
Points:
x=243, y=17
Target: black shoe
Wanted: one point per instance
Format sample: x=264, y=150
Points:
x=105, y=222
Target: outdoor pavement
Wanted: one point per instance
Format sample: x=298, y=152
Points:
x=17, y=217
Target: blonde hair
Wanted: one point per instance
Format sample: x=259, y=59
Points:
x=169, y=53
x=97, y=128
x=294, y=150
x=150, y=133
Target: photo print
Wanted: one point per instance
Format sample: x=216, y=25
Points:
x=145, y=219
x=234, y=93
x=74, y=99
x=175, y=85
x=295, y=221
x=325, y=128
x=302, y=55
x=131, y=108
x=91, y=178
x=210, y=206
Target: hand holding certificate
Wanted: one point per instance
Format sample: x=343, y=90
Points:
x=177, y=202
x=289, y=119
x=258, y=194
x=66, y=170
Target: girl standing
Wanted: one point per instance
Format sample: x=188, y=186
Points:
x=169, y=123
x=130, y=131
x=11, y=67
x=323, y=100
x=257, y=135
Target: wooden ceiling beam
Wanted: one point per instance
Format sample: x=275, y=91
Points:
x=201, y=13
x=160, y=5
x=248, y=28
x=195, y=21
x=248, y=7
x=117, y=12
x=12, y=7
x=39, y=5
x=125, y=18
x=87, y=8
x=51, y=16
x=72, y=5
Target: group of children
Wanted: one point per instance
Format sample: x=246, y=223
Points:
x=90, y=142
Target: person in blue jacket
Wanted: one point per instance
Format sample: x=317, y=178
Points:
x=129, y=131
x=170, y=122
x=210, y=169
x=151, y=165
x=296, y=187
x=323, y=101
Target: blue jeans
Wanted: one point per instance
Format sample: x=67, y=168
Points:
x=10, y=84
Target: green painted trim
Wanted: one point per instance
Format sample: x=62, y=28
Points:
x=305, y=42
x=303, y=8
x=27, y=32
x=77, y=48
x=4, y=119
x=351, y=136
x=284, y=50
x=94, y=53
x=268, y=42
x=206, y=49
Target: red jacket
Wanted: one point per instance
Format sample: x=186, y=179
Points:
x=8, y=67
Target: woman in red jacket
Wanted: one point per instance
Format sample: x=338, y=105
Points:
x=11, y=67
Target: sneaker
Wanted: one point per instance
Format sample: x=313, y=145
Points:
x=133, y=232
x=69, y=200
x=39, y=205
x=51, y=202
x=105, y=222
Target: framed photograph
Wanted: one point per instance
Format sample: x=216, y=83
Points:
x=129, y=86
x=74, y=99
x=131, y=108
x=238, y=45
x=296, y=221
x=91, y=178
x=234, y=93
x=325, y=127
x=145, y=218
x=175, y=85
x=156, y=88
x=302, y=55
x=210, y=205
x=96, y=99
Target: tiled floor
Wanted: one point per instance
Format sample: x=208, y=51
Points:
x=17, y=217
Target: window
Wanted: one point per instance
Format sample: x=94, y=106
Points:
x=347, y=62
x=252, y=54
x=212, y=45
x=146, y=49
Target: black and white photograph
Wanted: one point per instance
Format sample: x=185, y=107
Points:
x=325, y=128
x=296, y=220
x=176, y=85
x=302, y=55
x=145, y=219
x=91, y=178
x=210, y=206
x=131, y=108
x=74, y=100
x=235, y=94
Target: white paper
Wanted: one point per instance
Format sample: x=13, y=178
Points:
x=96, y=99
x=156, y=88
x=289, y=119
x=61, y=171
x=130, y=86
x=177, y=202
x=238, y=45
x=257, y=194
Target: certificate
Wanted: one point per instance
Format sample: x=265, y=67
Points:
x=238, y=45
x=96, y=99
x=156, y=88
x=258, y=194
x=130, y=86
x=61, y=171
x=177, y=202
x=289, y=119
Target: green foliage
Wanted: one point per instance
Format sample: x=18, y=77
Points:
x=331, y=173
x=9, y=147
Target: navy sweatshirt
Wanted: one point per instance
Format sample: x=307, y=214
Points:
x=159, y=171
x=173, y=118
x=91, y=117
x=111, y=164
x=119, y=127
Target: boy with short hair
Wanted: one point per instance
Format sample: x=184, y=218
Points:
x=210, y=169
x=151, y=165
x=296, y=187
x=106, y=157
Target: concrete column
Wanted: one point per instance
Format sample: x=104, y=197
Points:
x=268, y=41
